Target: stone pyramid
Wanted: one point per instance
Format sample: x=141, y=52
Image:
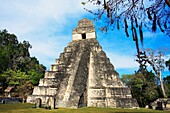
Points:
x=83, y=76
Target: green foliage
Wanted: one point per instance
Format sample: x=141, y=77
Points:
x=23, y=90
x=17, y=68
x=155, y=59
x=167, y=85
x=143, y=88
x=13, y=53
x=132, y=15
x=35, y=76
x=8, y=44
x=14, y=77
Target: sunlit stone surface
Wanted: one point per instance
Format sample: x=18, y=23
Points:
x=83, y=76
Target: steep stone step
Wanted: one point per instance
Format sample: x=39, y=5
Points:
x=72, y=76
x=44, y=90
x=50, y=74
x=83, y=75
x=48, y=82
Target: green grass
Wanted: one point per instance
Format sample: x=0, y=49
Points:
x=29, y=108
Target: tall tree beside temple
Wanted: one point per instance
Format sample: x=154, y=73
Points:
x=143, y=87
x=16, y=64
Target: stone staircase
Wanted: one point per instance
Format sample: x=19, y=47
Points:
x=83, y=76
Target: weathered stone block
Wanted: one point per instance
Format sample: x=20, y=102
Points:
x=38, y=103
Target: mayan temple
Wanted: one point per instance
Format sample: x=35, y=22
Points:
x=83, y=76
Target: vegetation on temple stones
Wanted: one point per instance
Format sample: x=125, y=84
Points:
x=17, y=67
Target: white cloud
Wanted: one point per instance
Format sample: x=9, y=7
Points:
x=122, y=61
x=37, y=20
x=40, y=22
x=48, y=50
x=149, y=34
x=47, y=25
x=27, y=16
x=167, y=57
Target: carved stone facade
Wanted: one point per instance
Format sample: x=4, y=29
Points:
x=84, y=30
x=83, y=76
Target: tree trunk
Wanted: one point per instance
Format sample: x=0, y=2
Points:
x=162, y=86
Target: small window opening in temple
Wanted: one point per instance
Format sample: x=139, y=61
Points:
x=83, y=36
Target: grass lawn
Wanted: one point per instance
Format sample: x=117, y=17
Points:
x=29, y=108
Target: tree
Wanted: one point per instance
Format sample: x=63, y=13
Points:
x=143, y=87
x=13, y=53
x=17, y=67
x=8, y=45
x=132, y=13
x=135, y=16
x=167, y=85
x=35, y=76
x=19, y=80
x=14, y=78
x=156, y=61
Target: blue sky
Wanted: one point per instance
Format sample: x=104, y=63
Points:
x=48, y=24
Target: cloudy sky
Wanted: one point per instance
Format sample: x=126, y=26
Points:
x=48, y=24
